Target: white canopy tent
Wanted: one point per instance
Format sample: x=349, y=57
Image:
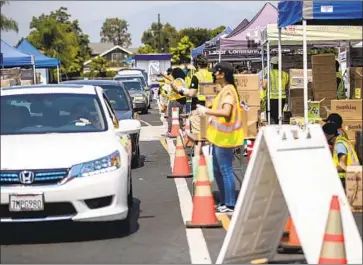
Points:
x=293, y=36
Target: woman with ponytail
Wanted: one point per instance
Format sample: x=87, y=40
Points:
x=225, y=133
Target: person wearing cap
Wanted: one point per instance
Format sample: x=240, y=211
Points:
x=337, y=119
x=225, y=133
x=344, y=154
x=201, y=76
x=274, y=89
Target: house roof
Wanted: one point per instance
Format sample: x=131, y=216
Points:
x=113, y=47
x=98, y=48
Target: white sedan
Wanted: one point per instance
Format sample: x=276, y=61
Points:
x=64, y=156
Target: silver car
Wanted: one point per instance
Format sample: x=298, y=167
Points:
x=139, y=97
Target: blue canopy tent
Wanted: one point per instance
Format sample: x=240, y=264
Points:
x=11, y=57
x=41, y=61
x=314, y=13
x=200, y=49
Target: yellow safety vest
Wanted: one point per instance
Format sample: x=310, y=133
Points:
x=340, y=88
x=203, y=76
x=352, y=158
x=188, y=80
x=174, y=95
x=263, y=94
x=222, y=132
x=274, y=84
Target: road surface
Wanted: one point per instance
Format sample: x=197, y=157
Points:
x=158, y=236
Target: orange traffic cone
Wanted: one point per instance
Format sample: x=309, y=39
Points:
x=285, y=236
x=181, y=167
x=333, y=249
x=293, y=243
x=203, y=215
x=187, y=142
x=175, y=123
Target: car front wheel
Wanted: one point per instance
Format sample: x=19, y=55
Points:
x=135, y=159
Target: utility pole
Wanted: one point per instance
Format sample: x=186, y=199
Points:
x=159, y=32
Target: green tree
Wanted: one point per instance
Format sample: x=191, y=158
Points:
x=146, y=49
x=181, y=53
x=216, y=31
x=115, y=30
x=59, y=37
x=99, y=65
x=164, y=34
x=7, y=24
x=197, y=36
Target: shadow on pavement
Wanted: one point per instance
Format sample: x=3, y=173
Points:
x=141, y=162
x=65, y=232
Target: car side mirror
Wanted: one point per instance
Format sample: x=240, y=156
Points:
x=128, y=126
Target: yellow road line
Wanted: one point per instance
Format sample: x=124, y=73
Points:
x=225, y=220
x=164, y=144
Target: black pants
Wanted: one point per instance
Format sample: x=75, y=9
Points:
x=180, y=103
x=274, y=110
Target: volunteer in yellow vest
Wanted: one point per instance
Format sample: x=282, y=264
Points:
x=225, y=133
x=202, y=75
x=340, y=82
x=344, y=154
x=188, y=80
x=274, y=90
x=175, y=99
x=166, y=80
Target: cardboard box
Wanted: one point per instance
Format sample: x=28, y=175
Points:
x=209, y=89
x=351, y=127
x=325, y=59
x=297, y=78
x=203, y=127
x=350, y=109
x=327, y=95
x=252, y=98
x=353, y=187
x=356, y=82
x=250, y=120
x=248, y=82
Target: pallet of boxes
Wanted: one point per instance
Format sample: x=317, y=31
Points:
x=248, y=90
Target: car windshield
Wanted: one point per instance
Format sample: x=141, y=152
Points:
x=134, y=85
x=138, y=78
x=116, y=96
x=51, y=113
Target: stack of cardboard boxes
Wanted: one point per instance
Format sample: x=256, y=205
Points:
x=248, y=90
x=296, y=91
x=324, y=81
x=356, y=81
x=351, y=113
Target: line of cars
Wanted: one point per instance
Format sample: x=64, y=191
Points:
x=67, y=151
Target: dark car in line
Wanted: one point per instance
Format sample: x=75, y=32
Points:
x=122, y=104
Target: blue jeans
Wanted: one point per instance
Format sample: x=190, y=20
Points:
x=223, y=174
x=188, y=107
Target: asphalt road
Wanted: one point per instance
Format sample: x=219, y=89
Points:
x=159, y=236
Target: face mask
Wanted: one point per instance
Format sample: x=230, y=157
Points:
x=185, y=71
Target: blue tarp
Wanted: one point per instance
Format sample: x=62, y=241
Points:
x=200, y=49
x=14, y=58
x=41, y=61
x=320, y=12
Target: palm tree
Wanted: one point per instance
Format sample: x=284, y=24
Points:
x=7, y=24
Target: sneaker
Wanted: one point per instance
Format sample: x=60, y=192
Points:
x=218, y=205
x=225, y=209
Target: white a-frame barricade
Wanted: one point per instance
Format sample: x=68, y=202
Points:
x=290, y=172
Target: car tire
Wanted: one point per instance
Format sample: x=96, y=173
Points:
x=135, y=159
x=145, y=111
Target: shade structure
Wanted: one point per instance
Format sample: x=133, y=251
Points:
x=200, y=49
x=316, y=34
x=12, y=57
x=320, y=12
x=41, y=61
x=241, y=26
x=251, y=33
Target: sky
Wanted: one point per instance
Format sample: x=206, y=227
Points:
x=139, y=14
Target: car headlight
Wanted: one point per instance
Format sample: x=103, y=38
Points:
x=139, y=99
x=98, y=166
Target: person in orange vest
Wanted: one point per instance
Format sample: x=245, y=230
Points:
x=225, y=133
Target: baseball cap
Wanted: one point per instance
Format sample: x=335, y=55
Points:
x=330, y=129
x=334, y=118
x=223, y=67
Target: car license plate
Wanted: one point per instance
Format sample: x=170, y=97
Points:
x=26, y=202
